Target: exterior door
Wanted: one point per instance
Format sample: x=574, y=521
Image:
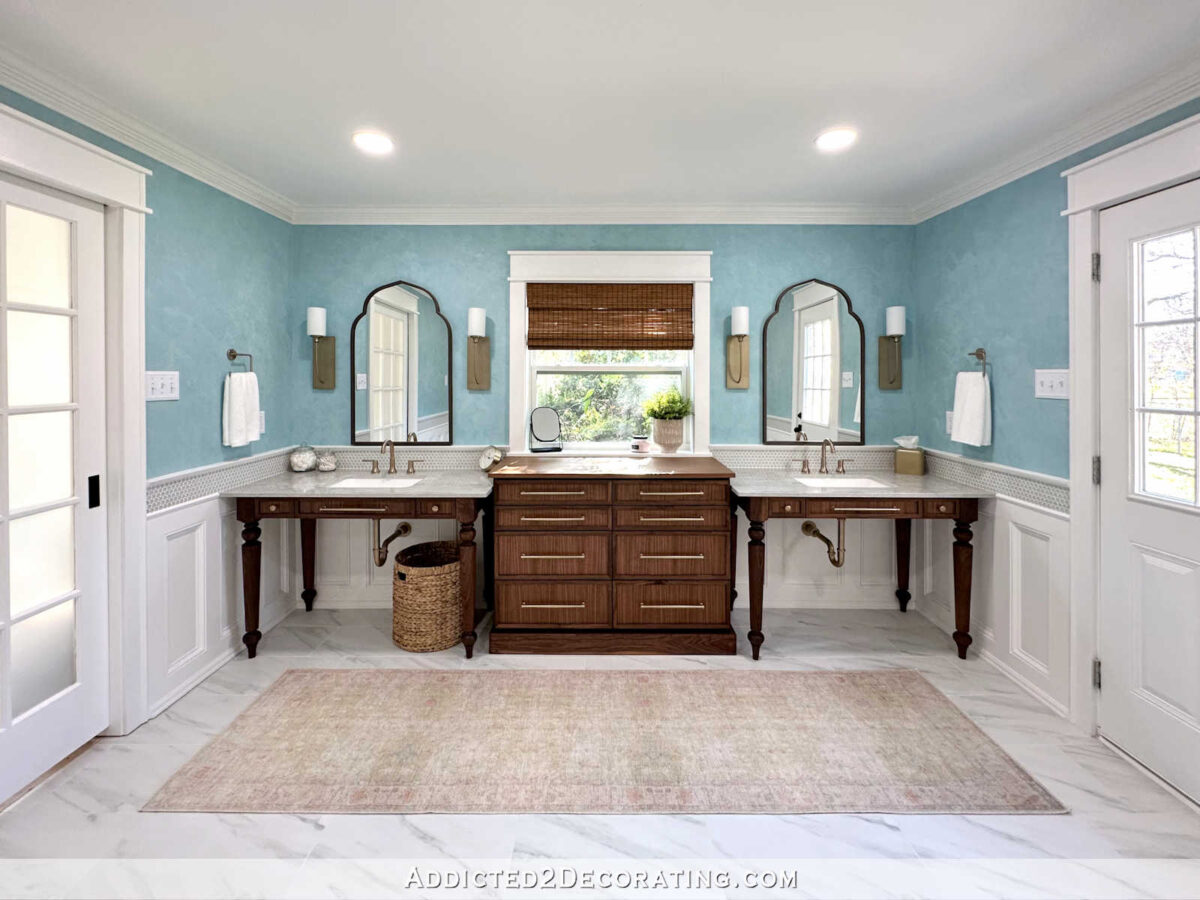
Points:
x=53, y=571
x=1149, y=500
x=817, y=354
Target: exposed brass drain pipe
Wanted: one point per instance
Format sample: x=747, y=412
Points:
x=836, y=557
x=380, y=551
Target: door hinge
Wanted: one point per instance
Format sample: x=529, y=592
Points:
x=1096, y=469
x=1096, y=673
x=1095, y=267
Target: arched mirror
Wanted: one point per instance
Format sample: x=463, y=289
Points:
x=400, y=383
x=813, y=354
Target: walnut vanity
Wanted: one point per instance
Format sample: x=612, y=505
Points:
x=616, y=555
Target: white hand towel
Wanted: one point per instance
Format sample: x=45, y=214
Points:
x=239, y=410
x=972, y=410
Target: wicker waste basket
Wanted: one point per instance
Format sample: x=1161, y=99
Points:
x=426, y=612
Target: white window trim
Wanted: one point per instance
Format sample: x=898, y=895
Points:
x=1155, y=162
x=602, y=266
x=33, y=150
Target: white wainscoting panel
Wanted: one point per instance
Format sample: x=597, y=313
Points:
x=193, y=578
x=1020, y=602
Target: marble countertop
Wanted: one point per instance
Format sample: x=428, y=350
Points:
x=448, y=483
x=779, y=483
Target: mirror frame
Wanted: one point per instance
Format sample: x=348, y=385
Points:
x=354, y=442
x=862, y=356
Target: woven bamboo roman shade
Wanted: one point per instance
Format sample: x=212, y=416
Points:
x=609, y=316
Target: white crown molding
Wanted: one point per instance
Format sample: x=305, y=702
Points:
x=1145, y=101
x=641, y=214
x=24, y=77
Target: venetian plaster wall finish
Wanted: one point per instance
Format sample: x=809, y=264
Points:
x=216, y=277
x=465, y=266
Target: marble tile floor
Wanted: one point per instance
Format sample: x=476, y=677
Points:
x=90, y=808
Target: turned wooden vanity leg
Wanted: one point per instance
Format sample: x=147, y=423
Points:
x=733, y=542
x=466, y=572
x=903, y=555
x=251, y=572
x=756, y=556
x=308, y=561
x=963, y=554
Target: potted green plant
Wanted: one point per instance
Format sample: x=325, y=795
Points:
x=666, y=411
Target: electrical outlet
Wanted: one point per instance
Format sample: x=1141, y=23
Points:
x=949, y=421
x=1052, y=384
x=360, y=381
x=162, y=386
x=847, y=379
x=262, y=421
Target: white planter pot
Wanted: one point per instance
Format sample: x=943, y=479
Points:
x=668, y=434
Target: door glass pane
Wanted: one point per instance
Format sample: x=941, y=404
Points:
x=39, y=359
x=38, y=258
x=1169, y=366
x=1169, y=456
x=1169, y=277
x=43, y=656
x=40, y=452
x=42, y=557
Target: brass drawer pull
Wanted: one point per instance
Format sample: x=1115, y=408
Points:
x=354, y=509
x=552, y=556
x=553, y=493
x=553, y=606
x=553, y=518
x=866, y=509
x=672, y=493
x=670, y=518
x=672, y=606
x=672, y=556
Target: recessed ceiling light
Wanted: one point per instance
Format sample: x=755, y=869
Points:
x=831, y=140
x=374, y=142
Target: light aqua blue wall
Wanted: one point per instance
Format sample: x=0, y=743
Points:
x=431, y=358
x=993, y=273
x=464, y=266
x=216, y=277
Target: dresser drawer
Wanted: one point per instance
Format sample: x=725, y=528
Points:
x=358, y=507
x=566, y=555
x=857, y=508
x=650, y=604
x=551, y=491
x=672, y=491
x=785, y=508
x=678, y=555
x=553, y=604
x=553, y=518
x=663, y=518
x=939, y=509
x=266, y=509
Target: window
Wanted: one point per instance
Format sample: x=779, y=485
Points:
x=599, y=393
x=389, y=373
x=1165, y=323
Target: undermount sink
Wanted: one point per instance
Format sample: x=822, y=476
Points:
x=376, y=481
x=839, y=481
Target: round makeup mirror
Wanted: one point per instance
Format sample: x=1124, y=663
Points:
x=545, y=429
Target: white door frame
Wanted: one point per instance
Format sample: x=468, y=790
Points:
x=40, y=153
x=1158, y=161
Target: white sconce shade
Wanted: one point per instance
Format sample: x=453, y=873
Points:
x=740, y=320
x=895, y=321
x=476, y=322
x=316, y=321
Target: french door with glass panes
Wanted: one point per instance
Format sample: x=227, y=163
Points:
x=53, y=595
x=817, y=349
x=1149, y=493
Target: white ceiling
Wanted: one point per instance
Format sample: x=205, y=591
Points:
x=620, y=103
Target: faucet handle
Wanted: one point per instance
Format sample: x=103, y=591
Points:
x=374, y=465
x=412, y=466
x=841, y=467
x=804, y=468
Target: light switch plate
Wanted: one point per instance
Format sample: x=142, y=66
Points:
x=262, y=421
x=847, y=379
x=162, y=386
x=360, y=381
x=949, y=421
x=1052, y=384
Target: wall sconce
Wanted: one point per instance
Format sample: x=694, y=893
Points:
x=479, y=351
x=324, y=369
x=737, y=349
x=891, y=374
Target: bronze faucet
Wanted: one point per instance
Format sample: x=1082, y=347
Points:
x=412, y=466
x=826, y=444
x=389, y=446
